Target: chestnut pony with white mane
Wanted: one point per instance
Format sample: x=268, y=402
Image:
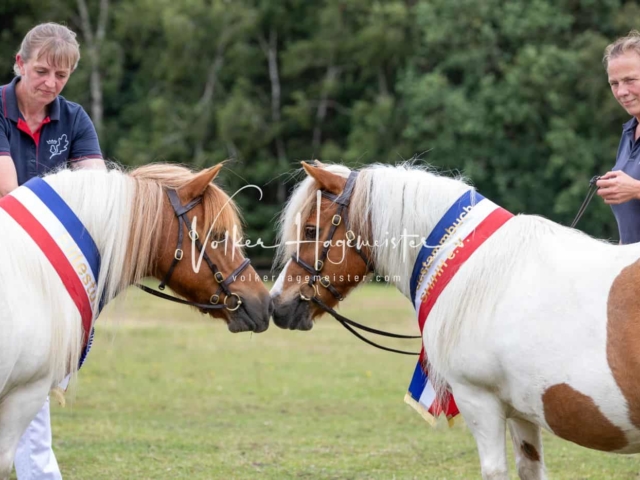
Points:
x=135, y=230
x=539, y=327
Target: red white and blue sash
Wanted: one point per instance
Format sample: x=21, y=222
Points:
x=66, y=243
x=463, y=228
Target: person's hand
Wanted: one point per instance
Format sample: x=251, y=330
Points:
x=617, y=187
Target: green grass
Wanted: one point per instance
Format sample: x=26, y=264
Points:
x=169, y=394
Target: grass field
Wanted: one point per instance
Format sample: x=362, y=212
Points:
x=169, y=394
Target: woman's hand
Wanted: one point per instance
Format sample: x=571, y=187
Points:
x=617, y=187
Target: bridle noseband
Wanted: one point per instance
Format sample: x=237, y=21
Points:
x=315, y=271
x=214, y=301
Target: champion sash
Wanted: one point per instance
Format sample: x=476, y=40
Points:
x=66, y=243
x=463, y=228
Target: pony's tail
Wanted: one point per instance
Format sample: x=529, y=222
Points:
x=439, y=384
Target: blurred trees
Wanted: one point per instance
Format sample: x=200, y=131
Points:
x=512, y=94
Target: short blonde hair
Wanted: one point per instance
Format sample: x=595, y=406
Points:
x=55, y=42
x=621, y=46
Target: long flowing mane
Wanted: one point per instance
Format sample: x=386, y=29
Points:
x=133, y=228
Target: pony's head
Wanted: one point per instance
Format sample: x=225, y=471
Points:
x=321, y=245
x=187, y=228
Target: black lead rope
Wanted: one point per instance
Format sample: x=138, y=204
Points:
x=205, y=306
x=164, y=296
x=593, y=188
x=349, y=324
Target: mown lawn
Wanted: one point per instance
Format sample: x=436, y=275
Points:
x=167, y=393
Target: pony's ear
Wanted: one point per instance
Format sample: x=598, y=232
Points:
x=328, y=181
x=198, y=184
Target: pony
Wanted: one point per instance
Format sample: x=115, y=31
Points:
x=539, y=328
x=134, y=221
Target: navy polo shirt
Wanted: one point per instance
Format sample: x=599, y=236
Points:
x=628, y=160
x=66, y=135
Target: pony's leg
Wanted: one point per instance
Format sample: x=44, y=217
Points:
x=485, y=416
x=17, y=409
x=527, y=445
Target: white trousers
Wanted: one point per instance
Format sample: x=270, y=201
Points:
x=35, y=459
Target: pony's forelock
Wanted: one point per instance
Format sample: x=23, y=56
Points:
x=301, y=202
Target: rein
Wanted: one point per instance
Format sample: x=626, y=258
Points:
x=214, y=301
x=593, y=188
x=343, y=201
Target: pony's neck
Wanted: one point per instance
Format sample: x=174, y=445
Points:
x=404, y=205
x=102, y=201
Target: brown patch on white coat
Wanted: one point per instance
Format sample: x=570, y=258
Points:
x=576, y=417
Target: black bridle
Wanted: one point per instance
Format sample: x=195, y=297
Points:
x=315, y=271
x=214, y=301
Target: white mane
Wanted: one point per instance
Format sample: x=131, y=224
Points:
x=112, y=193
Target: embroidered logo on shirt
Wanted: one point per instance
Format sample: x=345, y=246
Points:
x=58, y=146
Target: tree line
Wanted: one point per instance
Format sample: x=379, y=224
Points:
x=510, y=94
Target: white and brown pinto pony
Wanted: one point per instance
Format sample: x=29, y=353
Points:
x=539, y=328
x=135, y=230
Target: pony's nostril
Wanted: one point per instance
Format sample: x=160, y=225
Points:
x=272, y=307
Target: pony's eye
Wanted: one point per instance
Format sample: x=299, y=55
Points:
x=216, y=240
x=310, y=232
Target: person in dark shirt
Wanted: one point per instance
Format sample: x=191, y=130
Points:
x=620, y=187
x=39, y=129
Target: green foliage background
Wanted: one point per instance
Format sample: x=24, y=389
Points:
x=511, y=94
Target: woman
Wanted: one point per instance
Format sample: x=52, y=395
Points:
x=39, y=132
x=620, y=187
